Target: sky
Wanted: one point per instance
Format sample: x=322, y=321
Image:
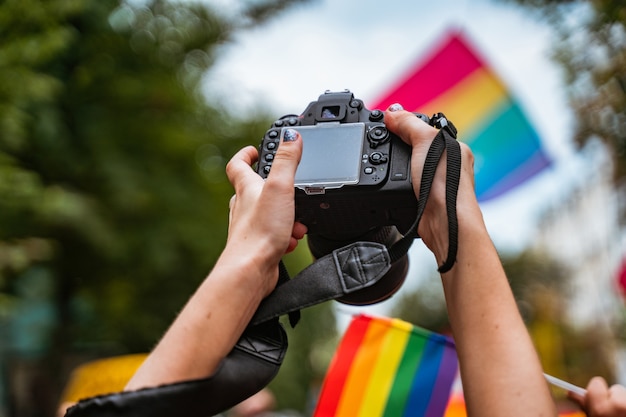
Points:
x=365, y=45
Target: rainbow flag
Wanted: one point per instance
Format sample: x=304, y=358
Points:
x=454, y=80
x=388, y=367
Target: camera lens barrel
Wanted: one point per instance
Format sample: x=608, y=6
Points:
x=383, y=289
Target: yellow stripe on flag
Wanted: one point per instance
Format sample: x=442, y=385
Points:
x=384, y=372
x=468, y=102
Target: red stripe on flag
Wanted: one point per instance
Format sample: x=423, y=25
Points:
x=448, y=64
x=332, y=389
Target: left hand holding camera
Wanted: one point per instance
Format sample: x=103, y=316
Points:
x=262, y=218
x=262, y=229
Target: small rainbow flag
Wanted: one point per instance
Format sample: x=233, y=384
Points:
x=388, y=367
x=455, y=81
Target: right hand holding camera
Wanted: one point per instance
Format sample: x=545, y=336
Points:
x=434, y=225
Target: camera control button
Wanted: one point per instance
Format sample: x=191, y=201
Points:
x=271, y=146
x=269, y=157
x=292, y=121
x=378, y=135
x=356, y=104
x=266, y=169
x=378, y=158
x=376, y=115
x=368, y=170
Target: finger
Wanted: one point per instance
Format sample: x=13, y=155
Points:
x=597, y=385
x=293, y=244
x=298, y=232
x=286, y=161
x=577, y=398
x=240, y=165
x=617, y=393
x=410, y=128
x=597, y=393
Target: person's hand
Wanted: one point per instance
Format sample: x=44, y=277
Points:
x=602, y=400
x=261, y=229
x=433, y=228
x=262, y=212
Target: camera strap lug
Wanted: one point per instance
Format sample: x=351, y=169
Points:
x=314, y=190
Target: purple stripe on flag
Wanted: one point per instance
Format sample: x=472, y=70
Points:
x=443, y=384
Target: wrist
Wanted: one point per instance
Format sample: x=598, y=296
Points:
x=253, y=268
x=434, y=228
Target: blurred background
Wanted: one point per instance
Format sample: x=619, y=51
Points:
x=117, y=119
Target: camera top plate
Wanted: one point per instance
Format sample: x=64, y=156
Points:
x=344, y=144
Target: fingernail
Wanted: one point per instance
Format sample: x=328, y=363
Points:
x=290, y=135
x=396, y=107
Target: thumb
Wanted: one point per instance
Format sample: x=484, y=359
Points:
x=286, y=160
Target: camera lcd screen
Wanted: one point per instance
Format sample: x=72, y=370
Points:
x=331, y=156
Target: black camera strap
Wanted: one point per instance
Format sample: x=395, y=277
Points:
x=444, y=141
x=258, y=355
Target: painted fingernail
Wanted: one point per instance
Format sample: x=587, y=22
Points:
x=290, y=135
x=396, y=107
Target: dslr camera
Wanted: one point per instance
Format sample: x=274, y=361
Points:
x=353, y=182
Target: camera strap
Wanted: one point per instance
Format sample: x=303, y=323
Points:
x=258, y=355
x=444, y=141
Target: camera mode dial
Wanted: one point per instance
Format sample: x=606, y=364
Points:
x=377, y=135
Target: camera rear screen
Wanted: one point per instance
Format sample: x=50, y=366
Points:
x=331, y=156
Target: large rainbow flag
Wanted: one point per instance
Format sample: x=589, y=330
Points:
x=388, y=367
x=453, y=79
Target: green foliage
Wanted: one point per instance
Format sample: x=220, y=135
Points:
x=592, y=52
x=100, y=147
x=425, y=306
x=529, y=274
x=112, y=169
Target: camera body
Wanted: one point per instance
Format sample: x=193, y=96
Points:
x=354, y=175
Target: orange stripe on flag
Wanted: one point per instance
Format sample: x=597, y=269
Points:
x=361, y=370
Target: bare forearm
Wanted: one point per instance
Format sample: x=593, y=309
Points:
x=497, y=357
x=207, y=328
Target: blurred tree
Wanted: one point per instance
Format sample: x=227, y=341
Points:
x=425, y=306
x=590, y=47
x=539, y=285
x=592, y=52
x=529, y=274
x=112, y=164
